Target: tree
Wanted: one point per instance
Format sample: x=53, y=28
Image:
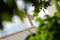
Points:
x=49, y=28
x=9, y=8
x=45, y=31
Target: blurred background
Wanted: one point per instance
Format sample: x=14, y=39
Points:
x=17, y=25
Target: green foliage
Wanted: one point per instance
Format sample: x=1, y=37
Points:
x=38, y=19
x=45, y=31
x=8, y=9
x=20, y=14
x=51, y=29
x=38, y=5
x=57, y=6
x=6, y=16
x=10, y=2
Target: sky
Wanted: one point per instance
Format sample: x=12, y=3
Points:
x=16, y=24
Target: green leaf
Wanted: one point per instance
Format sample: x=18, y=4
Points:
x=57, y=14
x=57, y=5
x=20, y=14
x=35, y=14
x=6, y=16
x=38, y=19
x=10, y=2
